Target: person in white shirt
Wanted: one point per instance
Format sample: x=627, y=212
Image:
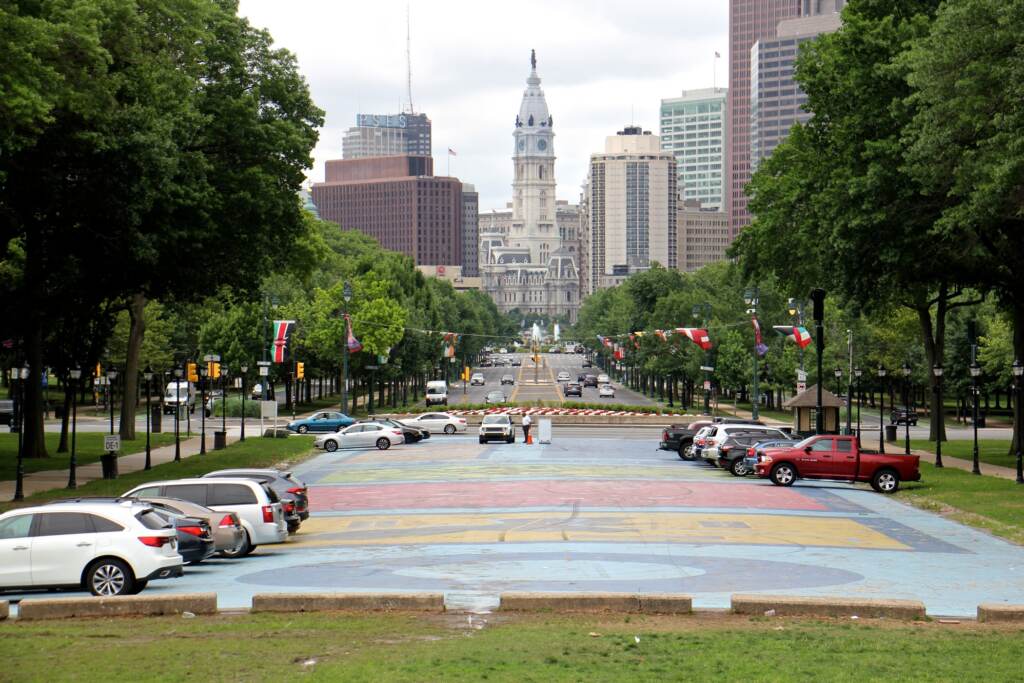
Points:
x=527, y=421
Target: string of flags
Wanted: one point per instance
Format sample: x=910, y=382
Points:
x=798, y=334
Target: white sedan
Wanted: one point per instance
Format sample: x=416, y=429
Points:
x=477, y=379
x=362, y=435
x=438, y=422
x=606, y=391
x=603, y=379
x=563, y=376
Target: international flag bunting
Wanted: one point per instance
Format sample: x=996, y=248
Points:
x=759, y=344
x=451, y=337
x=282, y=332
x=449, y=351
x=660, y=334
x=620, y=353
x=633, y=338
x=605, y=340
x=799, y=335
x=697, y=335
x=354, y=345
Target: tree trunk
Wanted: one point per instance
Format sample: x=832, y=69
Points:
x=1018, y=352
x=130, y=375
x=34, y=436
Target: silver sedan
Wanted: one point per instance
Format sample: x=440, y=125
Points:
x=362, y=435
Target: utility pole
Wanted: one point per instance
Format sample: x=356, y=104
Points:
x=818, y=297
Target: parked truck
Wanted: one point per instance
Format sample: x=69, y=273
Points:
x=827, y=456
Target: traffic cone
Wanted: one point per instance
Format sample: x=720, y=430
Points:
x=529, y=438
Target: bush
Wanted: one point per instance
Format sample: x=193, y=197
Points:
x=234, y=407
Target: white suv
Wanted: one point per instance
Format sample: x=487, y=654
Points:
x=497, y=427
x=719, y=433
x=108, y=548
x=257, y=506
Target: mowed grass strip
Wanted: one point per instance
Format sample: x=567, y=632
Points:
x=990, y=503
x=253, y=452
x=88, y=449
x=990, y=451
x=396, y=647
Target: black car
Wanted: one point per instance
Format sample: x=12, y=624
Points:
x=291, y=492
x=733, y=452
x=590, y=381
x=902, y=415
x=574, y=389
x=587, y=364
x=411, y=434
x=517, y=362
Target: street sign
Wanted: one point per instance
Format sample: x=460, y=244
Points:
x=707, y=385
x=264, y=371
x=211, y=358
x=263, y=363
x=707, y=368
x=801, y=376
x=373, y=367
x=268, y=409
x=112, y=443
x=801, y=387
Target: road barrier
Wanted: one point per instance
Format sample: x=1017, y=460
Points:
x=991, y=611
x=596, y=602
x=330, y=602
x=122, y=606
x=791, y=606
x=5, y=609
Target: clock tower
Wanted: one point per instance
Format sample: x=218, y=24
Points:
x=533, y=189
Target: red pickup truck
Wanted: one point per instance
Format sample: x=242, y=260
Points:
x=836, y=457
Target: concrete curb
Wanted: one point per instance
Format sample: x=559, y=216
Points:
x=991, y=611
x=596, y=602
x=327, y=602
x=129, y=605
x=5, y=609
x=790, y=606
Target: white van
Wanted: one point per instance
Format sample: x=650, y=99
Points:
x=437, y=393
x=179, y=393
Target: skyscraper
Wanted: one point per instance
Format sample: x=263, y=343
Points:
x=693, y=129
x=527, y=268
x=470, y=231
x=379, y=135
x=749, y=21
x=632, y=208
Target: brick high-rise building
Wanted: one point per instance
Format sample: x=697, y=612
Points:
x=749, y=21
x=399, y=202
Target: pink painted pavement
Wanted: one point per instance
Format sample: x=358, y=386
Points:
x=540, y=493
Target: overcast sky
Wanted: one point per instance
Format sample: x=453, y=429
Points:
x=603, y=64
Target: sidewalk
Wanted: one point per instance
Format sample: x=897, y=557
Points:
x=968, y=465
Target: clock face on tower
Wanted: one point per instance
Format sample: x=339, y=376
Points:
x=522, y=145
x=542, y=145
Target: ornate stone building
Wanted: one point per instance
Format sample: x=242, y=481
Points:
x=529, y=254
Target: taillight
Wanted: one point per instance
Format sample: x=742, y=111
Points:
x=155, y=541
x=461, y=421
x=296, y=489
x=226, y=522
x=396, y=432
x=289, y=507
x=268, y=514
x=194, y=530
x=725, y=449
x=664, y=435
x=750, y=451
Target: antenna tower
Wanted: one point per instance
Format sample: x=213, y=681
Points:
x=408, y=63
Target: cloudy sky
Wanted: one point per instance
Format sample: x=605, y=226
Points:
x=603, y=65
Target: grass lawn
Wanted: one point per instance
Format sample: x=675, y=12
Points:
x=996, y=505
x=88, y=449
x=254, y=452
x=401, y=647
x=992, y=451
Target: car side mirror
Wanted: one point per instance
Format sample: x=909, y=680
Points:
x=807, y=449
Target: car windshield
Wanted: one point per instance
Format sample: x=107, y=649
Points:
x=495, y=419
x=435, y=390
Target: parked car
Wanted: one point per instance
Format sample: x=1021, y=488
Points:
x=256, y=505
x=411, y=434
x=323, y=421
x=293, y=493
x=679, y=438
x=495, y=397
x=606, y=391
x=226, y=527
x=699, y=440
x=750, y=458
x=363, y=435
x=732, y=453
x=497, y=427
x=586, y=363
x=603, y=379
x=903, y=415
x=574, y=389
x=719, y=433
x=477, y=380
x=438, y=422
x=508, y=379
x=590, y=381
x=837, y=457
x=563, y=377
x=106, y=548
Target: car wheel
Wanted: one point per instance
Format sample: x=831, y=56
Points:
x=738, y=468
x=885, y=481
x=383, y=443
x=449, y=429
x=109, y=577
x=483, y=440
x=244, y=549
x=783, y=474
x=302, y=429
x=511, y=438
x=330, y=445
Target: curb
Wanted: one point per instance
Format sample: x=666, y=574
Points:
x=990, y=611
x=596, y=602
x=329, y=602
x=790, y=606
x=129, y=605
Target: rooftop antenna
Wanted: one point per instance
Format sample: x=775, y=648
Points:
x=408, y=62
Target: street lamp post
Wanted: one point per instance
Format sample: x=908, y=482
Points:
x=975, y=373
x=224, y=402
x=20, y=375
x=750, y=298
x=202, y=407
x=906, y=407
x=178, y=372
x=148, y=374
x=244, y=369
x=76, y=376
x=796, y=310
x=1018, y=370
x=881, y=408
x=857, y=372
x=703, y=313
x=839, y=389
x=347, y=296
x=111, y=376
x=938, y=419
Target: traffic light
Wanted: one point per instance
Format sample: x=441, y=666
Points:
x=300, y=370
x=192, y=372
x=213, y=370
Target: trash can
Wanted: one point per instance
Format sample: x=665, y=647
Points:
x=155, y=419
x=108, y=462
x=890, y=433
x=981, y=420
x=220, y=440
